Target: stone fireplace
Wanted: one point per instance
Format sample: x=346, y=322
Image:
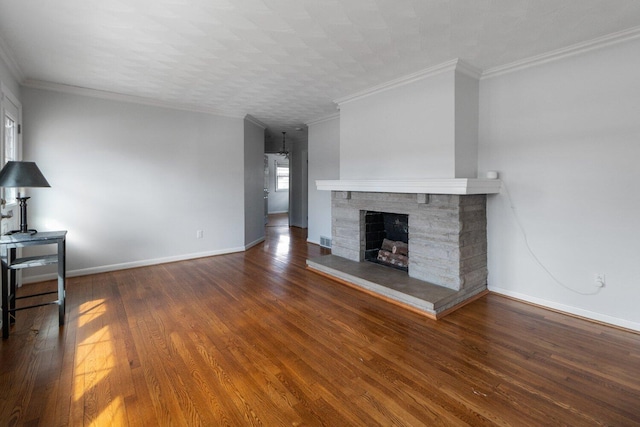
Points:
x=446, y=235
x=410, y=146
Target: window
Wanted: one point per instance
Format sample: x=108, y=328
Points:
x=282, y=176
x=10, y=137
x=9, y=144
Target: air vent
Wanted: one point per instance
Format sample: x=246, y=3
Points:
x=325, y=242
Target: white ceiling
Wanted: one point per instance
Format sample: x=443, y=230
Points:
x=282, y=61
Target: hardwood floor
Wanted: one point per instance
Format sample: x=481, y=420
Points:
x=256, y=339
x=278, y=220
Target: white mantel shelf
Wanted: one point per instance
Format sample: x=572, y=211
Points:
x=461, y=186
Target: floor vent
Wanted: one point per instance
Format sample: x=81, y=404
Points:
x=325, y=242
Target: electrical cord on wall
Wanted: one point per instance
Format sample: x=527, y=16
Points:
x=533, y=255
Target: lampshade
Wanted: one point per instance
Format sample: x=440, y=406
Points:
x=22, y=174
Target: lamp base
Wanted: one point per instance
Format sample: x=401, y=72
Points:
x=24, y=229
x=14, y=232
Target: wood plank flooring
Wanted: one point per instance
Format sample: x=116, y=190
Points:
x=256, y=339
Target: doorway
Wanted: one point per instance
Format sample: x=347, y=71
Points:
x=277, y=168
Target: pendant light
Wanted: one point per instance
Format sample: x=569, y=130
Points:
x=284, y=151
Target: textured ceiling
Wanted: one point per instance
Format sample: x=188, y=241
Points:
x=282, y=61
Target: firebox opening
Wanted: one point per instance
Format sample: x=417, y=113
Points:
x=387, y=239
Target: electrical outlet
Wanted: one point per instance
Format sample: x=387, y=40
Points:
x=599, y=280
x=199, y=234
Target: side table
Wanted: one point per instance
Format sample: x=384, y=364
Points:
x=8, y=245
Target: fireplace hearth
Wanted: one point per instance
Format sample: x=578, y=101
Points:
x=447, y=247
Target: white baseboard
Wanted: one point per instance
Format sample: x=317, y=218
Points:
x=255, y=242
x=297, y=225
x=598, y=317
x=603, y=318
x=127, y=265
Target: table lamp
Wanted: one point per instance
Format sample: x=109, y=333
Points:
x=22, y=174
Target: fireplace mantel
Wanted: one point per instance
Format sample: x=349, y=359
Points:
x=460, y=186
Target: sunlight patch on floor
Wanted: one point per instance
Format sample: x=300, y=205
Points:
x=283, y=245
x=94, y=364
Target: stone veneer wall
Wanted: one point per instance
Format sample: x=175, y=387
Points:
x=447, y=233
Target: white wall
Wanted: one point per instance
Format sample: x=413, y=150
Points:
x=132, y=183
x=401, y=133
x=565, y=137
x=466, y=127
x=324, y=163
x=253, y=183
x=298, y=184
x=278, y=200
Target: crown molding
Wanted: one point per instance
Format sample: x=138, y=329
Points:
x=323, y=119
x=468, y=69
x=255, y=121
x=113, y=96
x=12, y=64
x=555, y=55
x=453, y=65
